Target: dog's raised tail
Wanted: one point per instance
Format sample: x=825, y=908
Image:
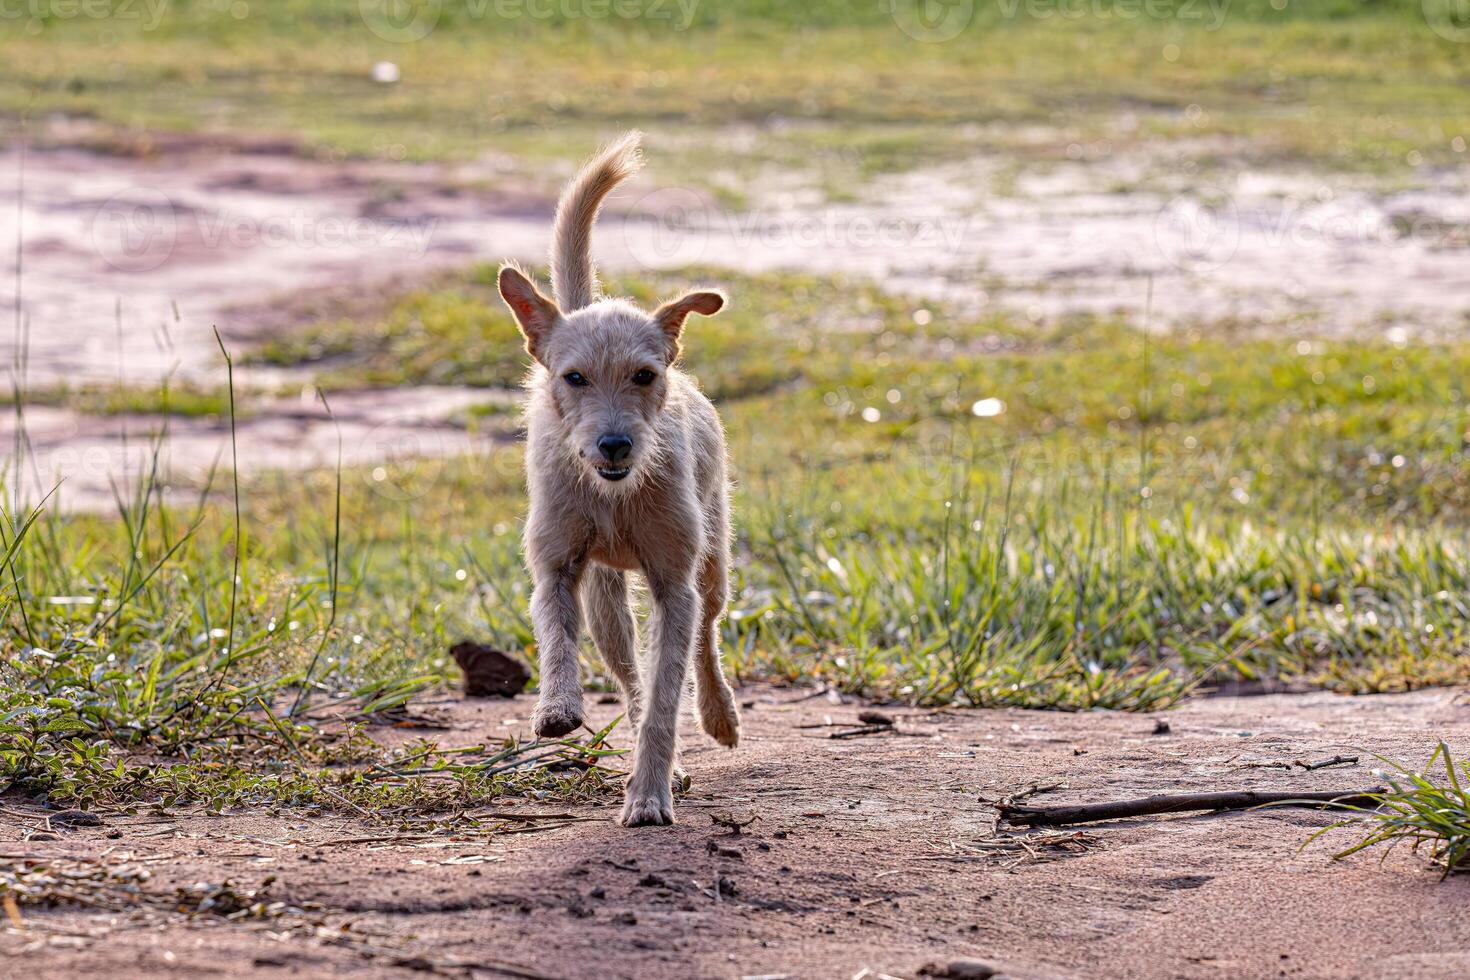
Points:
x=573, y=280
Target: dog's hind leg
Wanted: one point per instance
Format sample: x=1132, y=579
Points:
x=610, y=621
x=717, y=714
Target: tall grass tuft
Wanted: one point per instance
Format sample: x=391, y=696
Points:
x=1421, y=811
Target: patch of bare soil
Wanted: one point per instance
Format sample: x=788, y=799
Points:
x=128, y=260
x=869, y=855
x=87, y=456
x=142, y=254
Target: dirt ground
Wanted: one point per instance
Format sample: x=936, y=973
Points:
x=130, y=261
x=865, y=859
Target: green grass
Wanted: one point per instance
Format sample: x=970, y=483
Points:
x=111, y=400
x=1421, y=810
x=1127, y=518
x=456, y=331
x=940, y=508
x=1343, y=84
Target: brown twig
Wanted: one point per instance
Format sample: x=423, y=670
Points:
x=1056, y=816
x=731, y=822
x=866, y=730
x=1337, y=760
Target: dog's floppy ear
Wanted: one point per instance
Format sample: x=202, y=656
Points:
x=670, y=317
x=534, y=312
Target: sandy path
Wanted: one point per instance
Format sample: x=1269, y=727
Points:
x=126, y=264
x=378, y=434
x=857, y=862
x=112, y=246
x=207, y=230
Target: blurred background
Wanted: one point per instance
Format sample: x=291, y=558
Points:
x=1146, y=317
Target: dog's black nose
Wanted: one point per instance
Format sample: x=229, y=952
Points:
x=615, y=447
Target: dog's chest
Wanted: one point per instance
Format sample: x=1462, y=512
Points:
x=613, y=544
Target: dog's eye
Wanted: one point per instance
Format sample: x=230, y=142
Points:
x=576, y=380
x=644, y=377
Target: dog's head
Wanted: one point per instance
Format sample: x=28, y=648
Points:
x=607, y=370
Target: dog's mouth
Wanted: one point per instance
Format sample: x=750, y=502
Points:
x=612, y=472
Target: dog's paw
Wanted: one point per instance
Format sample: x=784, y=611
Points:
x=557, y=715
x=720, y=720
x=648, y=809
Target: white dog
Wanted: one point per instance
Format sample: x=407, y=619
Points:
x=626, y=467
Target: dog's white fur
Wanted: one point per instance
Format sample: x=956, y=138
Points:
x=667, y=517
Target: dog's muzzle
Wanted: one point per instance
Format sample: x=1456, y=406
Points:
x=615, y=448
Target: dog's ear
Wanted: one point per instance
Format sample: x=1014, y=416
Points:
x=534, y=312
x=670, y=317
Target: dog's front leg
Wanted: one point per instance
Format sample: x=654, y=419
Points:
x=650, y=799
x=556, y=619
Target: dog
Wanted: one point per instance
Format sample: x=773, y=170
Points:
x=626, y=472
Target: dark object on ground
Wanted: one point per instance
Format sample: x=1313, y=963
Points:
x=967, y=969
x=961, y=970
x=875, y=718
x=488, y=673
x=1161, y=727
x=732, y=823
x=865, y=730
x=75, y=818
x=1056, y=816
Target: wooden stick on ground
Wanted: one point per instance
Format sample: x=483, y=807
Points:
x=1057, y=816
